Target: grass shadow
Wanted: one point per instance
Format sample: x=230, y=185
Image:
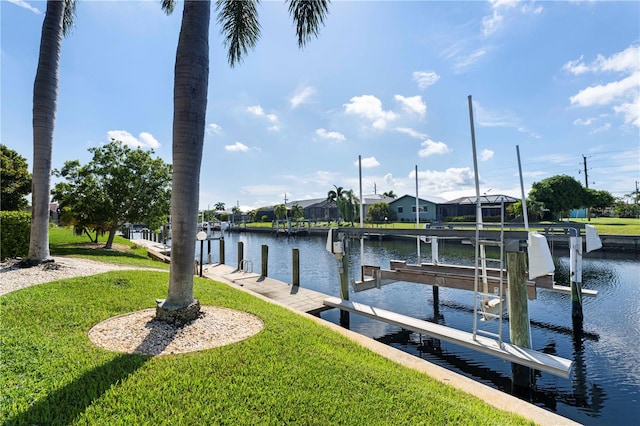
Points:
x=64, y=405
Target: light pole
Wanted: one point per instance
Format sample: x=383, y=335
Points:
x=201, y=236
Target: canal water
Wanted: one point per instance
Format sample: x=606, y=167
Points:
x=604, y=387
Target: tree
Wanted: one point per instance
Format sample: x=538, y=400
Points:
x=599, y=199
x=535, y=209
x=349, y=205
x=297, y=212
x=240, y=29
x=390, y=194
x=16, y=180
x=559, y=194
x=117, y=186
x=333, y=196
x=58, y=21
x=379, y=212
x=280, y=211
x=219, y=206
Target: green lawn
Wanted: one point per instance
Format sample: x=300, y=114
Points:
x=64, y=242
x=613, y=225
x=294, y=371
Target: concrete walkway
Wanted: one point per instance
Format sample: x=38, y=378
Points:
x=303, y=301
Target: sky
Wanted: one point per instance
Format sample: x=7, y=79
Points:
x=385, y=80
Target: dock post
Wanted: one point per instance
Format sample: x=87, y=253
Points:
x=222, y=250
x=519, y=328
x=265, y=260
x=208, y=251
x=344, y=288
x=295, y=256
x=575, y=261
x=240, y=254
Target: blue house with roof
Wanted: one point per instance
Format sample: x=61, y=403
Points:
x=405, y=209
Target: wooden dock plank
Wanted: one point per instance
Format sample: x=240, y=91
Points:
x=537, y=360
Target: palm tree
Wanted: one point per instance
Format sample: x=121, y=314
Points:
x=280, y=211
x=351, y=205
x=240, y=28
x=390, y=194
x=58, y=21
x=219, y=205
x=297, y=212
x=333, y=197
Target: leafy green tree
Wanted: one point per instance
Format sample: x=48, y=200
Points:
x=219, y=206
x=117, y=186
x=58, y=20
x=280, y=211
x=535, y=210
x=390, y=194
x=599, y=199
x=240, y=29
x=559, y=194
x=380, y=212
x=16, y=180
x=297, y=212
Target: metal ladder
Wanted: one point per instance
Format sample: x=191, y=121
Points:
x=488, y=290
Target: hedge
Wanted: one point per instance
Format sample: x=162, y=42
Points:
x=15, y=228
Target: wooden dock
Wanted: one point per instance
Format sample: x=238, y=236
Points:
x=295, y=297
x=527, y=357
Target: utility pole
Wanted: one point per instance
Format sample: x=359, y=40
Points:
x=586, y=184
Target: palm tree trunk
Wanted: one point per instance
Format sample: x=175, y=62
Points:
x=45, y=98
x=190, y=104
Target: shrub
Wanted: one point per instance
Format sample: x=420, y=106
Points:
x=15, y=228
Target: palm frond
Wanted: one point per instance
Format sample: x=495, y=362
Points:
x=307, y=16
x=69, y=16
x=239, y=26
x=168, y=6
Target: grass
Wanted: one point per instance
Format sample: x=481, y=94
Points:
x=64, y=242
x=613, y=225
x=293, y=372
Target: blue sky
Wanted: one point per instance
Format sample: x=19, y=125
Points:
x=385, y=80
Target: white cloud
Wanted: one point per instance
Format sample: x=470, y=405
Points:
x=330, y=135
x=144, y=139
x=437, y=182
x=607, y=93
x=430, y=147
x=237, y=147
x=368, y=162
x=26, y=5
x=213, y=128
x=301, y=96
x=492, y=23
x=256, y=110
x=411, y=132
x=425, y=78
x=259, y=112
x=370, y=107
x=486, y=154
x=147, y=139
x=631, y=111
x=389, y=180
x=465, y=62
x=486, y=118
x=412, y=104
x=623, y=94
x=625, y=61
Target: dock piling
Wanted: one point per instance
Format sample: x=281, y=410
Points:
x=295, y=259
x=265, y=260
x=519, y=328
x=240, y=254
